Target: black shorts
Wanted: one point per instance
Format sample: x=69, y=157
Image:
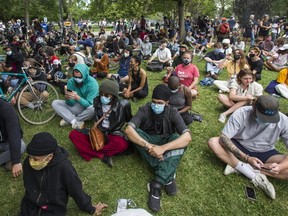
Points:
x=263, y=156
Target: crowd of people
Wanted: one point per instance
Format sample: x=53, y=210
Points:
x=159, y=130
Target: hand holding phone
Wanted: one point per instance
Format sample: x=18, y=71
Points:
x=266, y=167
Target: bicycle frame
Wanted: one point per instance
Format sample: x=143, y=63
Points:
x=16, y=90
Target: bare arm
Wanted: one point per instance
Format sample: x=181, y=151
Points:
x=194, y=83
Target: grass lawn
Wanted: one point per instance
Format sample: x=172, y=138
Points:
x=203, y=189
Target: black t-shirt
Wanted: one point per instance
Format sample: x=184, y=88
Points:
x=255, y=65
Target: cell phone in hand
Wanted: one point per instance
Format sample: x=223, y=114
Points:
x=69, y=90
x=265, y=168
x=250, y=193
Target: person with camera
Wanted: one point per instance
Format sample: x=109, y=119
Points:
x=247, y=143
x=242, y=91
x=160, y=136
x=116, y=112
x=50, y=178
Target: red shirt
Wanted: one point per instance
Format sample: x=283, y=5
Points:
x=186, y=74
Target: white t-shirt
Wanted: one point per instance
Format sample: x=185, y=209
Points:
x=254, y=89
x=162, y=54
x=255, y=137
x=106, y=122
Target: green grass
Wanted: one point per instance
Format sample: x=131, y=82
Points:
x=203, y=189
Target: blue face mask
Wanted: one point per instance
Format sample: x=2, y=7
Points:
x=157, y=108
x=105, y=100
x=259, y=121
x=217, y=51
x=78, y=80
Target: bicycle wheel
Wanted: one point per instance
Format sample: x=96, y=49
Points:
x=197, y=55
x=41, y=95
x=113, y=64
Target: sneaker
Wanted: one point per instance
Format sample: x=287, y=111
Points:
x=78, y=125
x=171, y=188
x=229, y=170
x=108, y=160
x=154, y=188
x=63, y=123
x=214, y=76
x=262, y=182
x=222, y=118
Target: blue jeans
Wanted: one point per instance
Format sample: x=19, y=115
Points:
x=5, y=152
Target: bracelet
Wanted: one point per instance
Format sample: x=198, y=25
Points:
x=247, y=158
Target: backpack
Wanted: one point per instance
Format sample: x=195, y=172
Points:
x=224, y=28
x=155, y=66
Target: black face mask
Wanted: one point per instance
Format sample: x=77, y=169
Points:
x=181, y=52
x=71, y=64
x=237, y=57
x=252, y=55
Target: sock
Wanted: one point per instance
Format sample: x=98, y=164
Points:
x=246, y=170
x=74, y=121
x=30, y=105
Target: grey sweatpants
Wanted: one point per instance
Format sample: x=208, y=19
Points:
x=5, y=152
x=68, y=113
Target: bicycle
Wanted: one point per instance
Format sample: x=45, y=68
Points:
x=40, y=93
x=113, y=62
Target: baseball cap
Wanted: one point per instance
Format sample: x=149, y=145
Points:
x=284, y=47
x=267, y=108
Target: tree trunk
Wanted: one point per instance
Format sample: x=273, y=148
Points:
x=181, y=19
x=27, y=15
x=69, y=13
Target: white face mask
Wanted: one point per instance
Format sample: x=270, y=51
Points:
x=126, y=55
x=9, y=53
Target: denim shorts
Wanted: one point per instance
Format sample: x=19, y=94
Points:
x=263, y=156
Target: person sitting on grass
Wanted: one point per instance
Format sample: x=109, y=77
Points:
x=247, y=143
x=181, y=98
x=124, y=65
x=79, y=93
x=118, y=112
x=12, y=145
x=50, y=178
x=163, y=54
x=213, y=59
x=278, y=60
x=138, y=84
x=255, y=62
x=188, y=74
x=243, y=91
x=100, y=68
x=233, y=66
x=282, y=79
x=160, y=136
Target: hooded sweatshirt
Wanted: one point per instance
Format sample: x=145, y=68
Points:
x=89, y=89
x=47, y=190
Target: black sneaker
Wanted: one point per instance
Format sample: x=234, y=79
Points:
x=154, y=188
x=171, y=188
x=107, y=160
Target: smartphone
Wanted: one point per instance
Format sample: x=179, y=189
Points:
x=250, y=193
x=266, y=168
x=69, y=90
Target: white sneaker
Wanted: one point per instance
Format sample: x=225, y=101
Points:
x=63, y=123
x=229, y=170
x=262, y=182
x=78, y=125
x=222, y=118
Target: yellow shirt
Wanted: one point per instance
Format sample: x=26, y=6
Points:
x=232, y=67
x=283, y=76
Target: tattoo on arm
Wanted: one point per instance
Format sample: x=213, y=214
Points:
x=229, y=145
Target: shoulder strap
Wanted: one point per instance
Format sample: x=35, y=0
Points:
x=99, y=120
